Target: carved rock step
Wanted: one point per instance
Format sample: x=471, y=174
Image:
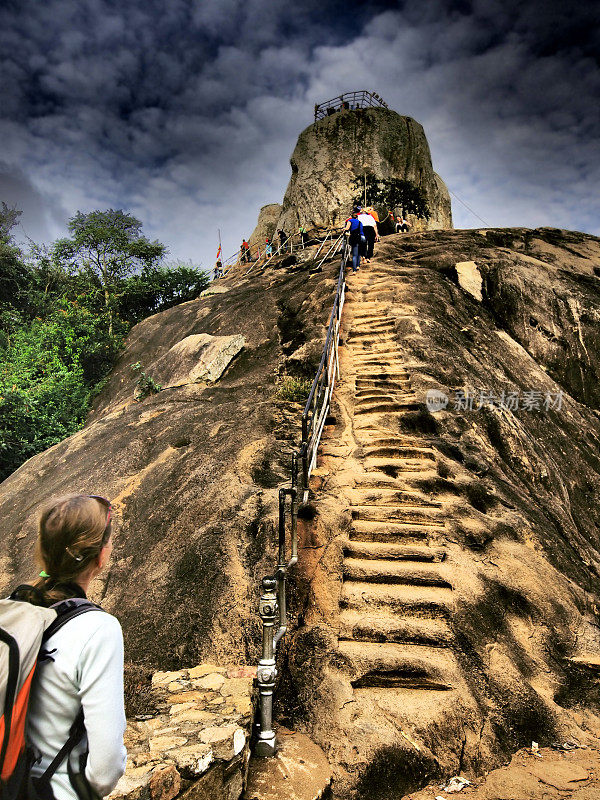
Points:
x=379, y=372
x=385, y=496
x=380, y=438
x=378, y=337
x=401, y=452
x=362, y=324
x=370, y=322
x=425, y=600
x=401, y=552
x=363, y=395
x=372, y=348
x=388, y=407
x=375, y=530
x=395, y=466
x=381, y=361
x=380, y=383
x=379, y=480
x=382, y=625
x=399, y=666
x=372, y=340
x=404, y=513
x=408, y=573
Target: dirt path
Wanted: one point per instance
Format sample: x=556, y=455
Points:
x=554, y=775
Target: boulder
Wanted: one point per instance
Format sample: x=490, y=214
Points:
x=266, y=225
x=196, y=358
x=334, y=151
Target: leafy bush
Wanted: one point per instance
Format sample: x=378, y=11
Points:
x=146, y=385
x=294, y=389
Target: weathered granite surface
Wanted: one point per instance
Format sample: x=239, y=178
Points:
x=196, y=745
x=333, y=152
x=266, y=224
x=200, y=357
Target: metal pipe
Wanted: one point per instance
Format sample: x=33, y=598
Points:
x=281, y=528
x=267, y=672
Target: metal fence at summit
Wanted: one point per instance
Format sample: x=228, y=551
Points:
x=349, y=101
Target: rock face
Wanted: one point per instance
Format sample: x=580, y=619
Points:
x=449, y=586
x=334, y=151
x=445, y=604
x=192, y=471
x=266, y=225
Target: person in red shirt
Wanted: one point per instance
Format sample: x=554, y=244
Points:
x=244, y=251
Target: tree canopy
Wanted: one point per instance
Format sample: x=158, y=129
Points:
x=107, y=245
x=65, y=310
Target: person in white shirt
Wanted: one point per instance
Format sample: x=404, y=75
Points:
x=371, y=235
x=85, y=665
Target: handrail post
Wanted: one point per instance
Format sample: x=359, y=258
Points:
x=267, y=672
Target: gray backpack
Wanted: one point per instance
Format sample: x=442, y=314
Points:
x=24, y=631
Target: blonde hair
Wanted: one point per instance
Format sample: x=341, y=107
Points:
x=72, y=532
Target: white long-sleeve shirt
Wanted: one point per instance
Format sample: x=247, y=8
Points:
x=87, y=671
x=367, y=220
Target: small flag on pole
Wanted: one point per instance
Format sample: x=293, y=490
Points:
x=218, y=253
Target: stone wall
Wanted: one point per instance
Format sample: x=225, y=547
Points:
x=196, y=744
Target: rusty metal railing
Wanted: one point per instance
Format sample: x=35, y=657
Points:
x=273, y=605
x=349, y=101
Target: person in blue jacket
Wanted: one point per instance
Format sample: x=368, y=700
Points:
x=355, y=233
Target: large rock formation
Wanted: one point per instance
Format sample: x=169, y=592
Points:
x=473, y=627
x=192, y=469
x=266, y=225
x=449, y=590
x=333, y=152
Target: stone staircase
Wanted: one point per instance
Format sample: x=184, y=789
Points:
x=396, y=599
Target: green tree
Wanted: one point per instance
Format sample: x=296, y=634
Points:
x=64, y=313
x=392, y=193
x=49, y=371
x=158, y=288
x=107, y=246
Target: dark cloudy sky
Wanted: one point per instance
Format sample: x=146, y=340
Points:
x=185, y=112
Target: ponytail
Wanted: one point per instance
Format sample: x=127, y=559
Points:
x=72, y=532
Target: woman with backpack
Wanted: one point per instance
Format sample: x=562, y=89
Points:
x=80, y=667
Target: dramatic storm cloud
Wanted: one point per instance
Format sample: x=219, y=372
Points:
x=185, y=113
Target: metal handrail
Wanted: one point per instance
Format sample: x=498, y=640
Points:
x=349, y=101
x=272, y=605
x=333, y=249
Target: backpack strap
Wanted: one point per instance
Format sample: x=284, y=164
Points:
x=11, y=688
x=66, y=610
x=42, y=784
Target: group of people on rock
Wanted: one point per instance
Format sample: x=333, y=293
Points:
x=362, y=231
x=246, y=255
